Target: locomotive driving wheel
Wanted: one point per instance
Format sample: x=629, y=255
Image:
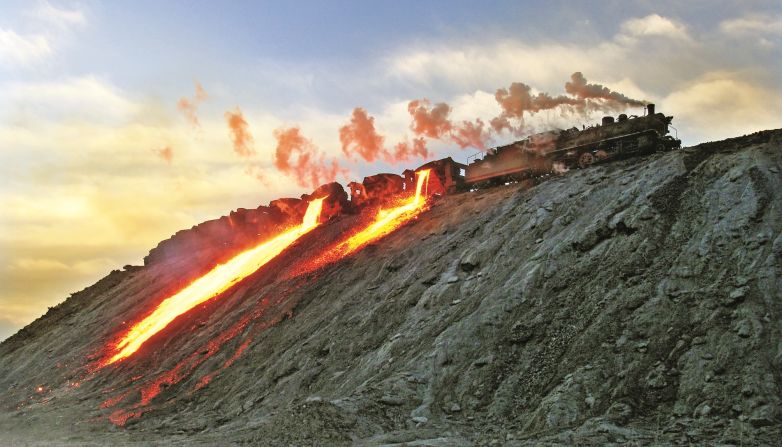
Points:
x=585, y=160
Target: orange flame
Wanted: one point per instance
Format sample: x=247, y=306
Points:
x=216, y=281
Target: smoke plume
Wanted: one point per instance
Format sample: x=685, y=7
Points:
x=581, y=98
x=360, y=137
x=429, y=121
x=166, y=153
x=297, y=157
x=518, y=99
x=470, y=134
x=240, y=133
x=434, y=122
x=189, y=107
x=406, y=150
x=579, y=88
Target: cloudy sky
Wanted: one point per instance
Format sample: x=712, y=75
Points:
x=122, y=122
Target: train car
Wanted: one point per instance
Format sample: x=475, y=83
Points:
x=376, y=189
x=572, y=148
x=447, y=176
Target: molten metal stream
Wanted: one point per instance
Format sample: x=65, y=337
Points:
x=213, y=283
x=388, y=220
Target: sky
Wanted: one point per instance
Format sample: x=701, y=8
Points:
x=123, y=122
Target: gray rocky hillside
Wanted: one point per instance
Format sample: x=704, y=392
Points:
x=631, y=303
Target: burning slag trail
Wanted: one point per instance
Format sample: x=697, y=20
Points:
x=212, y=284
x=224, y=276
x=384, y=223
x=388, y=220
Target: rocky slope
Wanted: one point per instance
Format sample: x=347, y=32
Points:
x=637, y=301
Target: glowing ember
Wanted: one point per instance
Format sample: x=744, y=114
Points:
x=213, y=283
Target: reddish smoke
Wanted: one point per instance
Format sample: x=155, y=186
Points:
x=406, y=150
x=470, y=134
x=166, y=153
x=200, y=95
x=258, y=173
x=434, y=122
x=431, y=122
x=188, y=107
x=296, y=156
x=579, y=88
x=240, y=134
x=359, y=136
x=518, y=99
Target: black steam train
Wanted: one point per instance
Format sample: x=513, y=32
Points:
x=535, y=156
x=573, y=148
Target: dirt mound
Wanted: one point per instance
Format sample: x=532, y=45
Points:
x=637, y=301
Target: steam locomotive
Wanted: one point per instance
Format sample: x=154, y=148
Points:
x=572, y=148
x=535, y=156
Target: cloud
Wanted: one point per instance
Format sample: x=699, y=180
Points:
x=37, y=265
x=653, y=25
x=723, y=104
x=62, y=18
x=85, y=98
x=752, y=25
x=22, y=50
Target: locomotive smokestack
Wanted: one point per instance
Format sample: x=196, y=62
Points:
x=650, y=109
x=608, y=120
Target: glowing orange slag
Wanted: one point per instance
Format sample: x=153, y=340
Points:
x=213, y=283
x=388, y=220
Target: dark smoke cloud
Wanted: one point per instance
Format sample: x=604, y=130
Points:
x=360, y=137
x=240, y=133
x=189, y=107
x=297, y=157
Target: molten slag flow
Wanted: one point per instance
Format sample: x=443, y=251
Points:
x=213, y=283
x=388, y=220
